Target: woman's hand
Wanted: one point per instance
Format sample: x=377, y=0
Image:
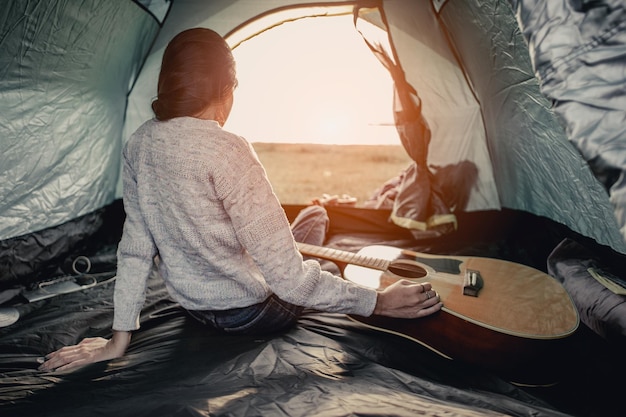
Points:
x=89, y=350
x=407, y=299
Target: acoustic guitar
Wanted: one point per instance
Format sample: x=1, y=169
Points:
x=507, y=317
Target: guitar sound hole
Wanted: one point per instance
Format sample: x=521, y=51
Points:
x=407, y=270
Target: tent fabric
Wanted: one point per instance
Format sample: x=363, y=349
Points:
x=578, y=51
x=522, y=130
x=66, y=70
x=448, y=103
x=418, y=203
x=35, y=257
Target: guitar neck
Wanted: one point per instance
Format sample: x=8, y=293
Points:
x=343, y=256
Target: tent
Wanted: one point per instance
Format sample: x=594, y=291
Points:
x=527, y=94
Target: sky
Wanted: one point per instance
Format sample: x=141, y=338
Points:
x=312, y=81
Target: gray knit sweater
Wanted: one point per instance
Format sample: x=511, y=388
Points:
x=198, y=197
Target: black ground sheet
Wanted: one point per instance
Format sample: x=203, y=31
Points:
x=328, y=365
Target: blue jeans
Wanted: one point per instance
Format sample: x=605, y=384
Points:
x=273, y=314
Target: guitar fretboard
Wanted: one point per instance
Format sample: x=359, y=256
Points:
x=343, y=256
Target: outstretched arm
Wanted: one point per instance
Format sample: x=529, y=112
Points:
x=89, y=350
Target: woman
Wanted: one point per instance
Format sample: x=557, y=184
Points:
x=199, y=205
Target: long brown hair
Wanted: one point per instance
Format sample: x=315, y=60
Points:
x=198, y=68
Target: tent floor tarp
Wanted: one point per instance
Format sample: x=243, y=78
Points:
x=328, y=365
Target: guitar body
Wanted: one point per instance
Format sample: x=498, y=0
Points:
x=517, y=324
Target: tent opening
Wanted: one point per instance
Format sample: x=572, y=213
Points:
x=305, y=88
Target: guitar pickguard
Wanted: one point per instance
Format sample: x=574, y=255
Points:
x=444, y=265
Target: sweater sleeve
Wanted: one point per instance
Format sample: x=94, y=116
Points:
x=135, y=255
x=263, y=229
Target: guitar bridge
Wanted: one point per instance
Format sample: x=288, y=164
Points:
x=472, y=283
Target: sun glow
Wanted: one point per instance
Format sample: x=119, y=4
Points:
x=312, y=81
x=333, y=127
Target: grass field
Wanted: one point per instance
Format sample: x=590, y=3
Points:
x=300, y=172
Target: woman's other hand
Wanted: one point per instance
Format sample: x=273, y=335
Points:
x=89, y=350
